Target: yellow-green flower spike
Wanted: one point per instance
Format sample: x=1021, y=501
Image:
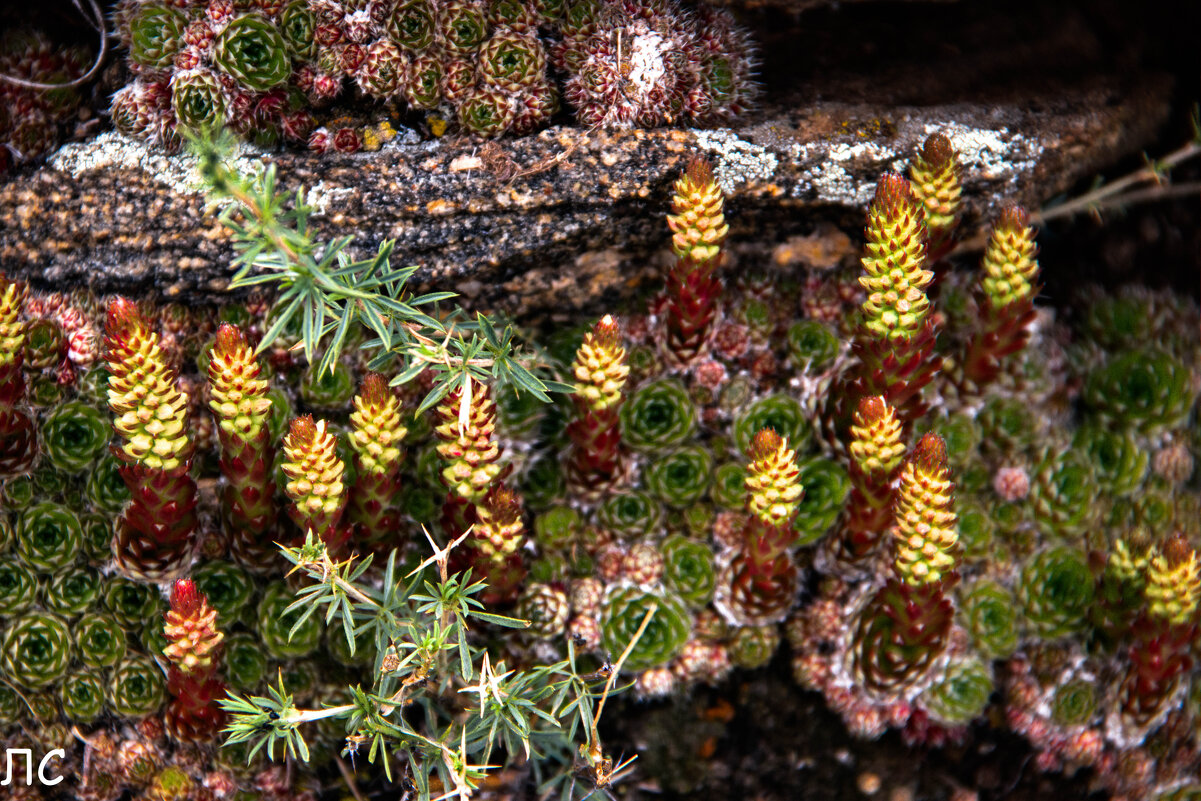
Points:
x=773, y=481
x=314, y=474
x=1129, y=561
x=895, y=277
x=467, y=445
x=1010, y=270
x=376, y=426
x=1173, y=582
x=925, y=527
x=876, y=437
x=600, y=367
x=697, y=224
x=498, y=532
x=12, y=330
x=934, y=176
x=239, y=395
x=150, y=411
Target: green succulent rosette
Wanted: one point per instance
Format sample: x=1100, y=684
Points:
x=1056, y=592
x=252, y=50
x=73, y=435
x=753, y=646
x=17, y=493
x=12, y=708
x=106, y=491
x=826, y=486
x=275, y=626
x=781, y=413
x=623, y=611
x=688, y=569
x=812, y=345
x=412, y=25
x=129, y=602
x=557, y=527
x=518, y=413
x=82, y=696
x=97, y=537
x=37, y=650
x=544, y=482
x=630, y=514
x=1063, y=494
x=49, y=537
x=1147, y=391
x=135, y=687
x=198, y=100
x=18, y=587
x=1117, y=460
x=228, y=588
x=48, y=483
x=99, y=640
x=729, y=486
x=298, y=27
x=511, y=60
x=338, y=648
x=962, y=693
x=697, y=519
x=1114, y=320
x=486, y=112
x=962, y=435
x=73, y=592
x=327, y=390
x=680, y=477
x=975, y=527
x=155, y=35
x=281, y=413
x=463, y=25
x=1074, y=702
x=657, y=416
x=419, y=504
x=1007, y=425
x=423, y=82
x=245, y=662
x=988, y=613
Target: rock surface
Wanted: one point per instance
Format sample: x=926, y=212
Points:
x=568, y=219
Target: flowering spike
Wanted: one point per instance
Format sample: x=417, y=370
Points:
x=894, y=262
x=242, y=409
x=1173, y=581
x=467, y=445
x=18, y=435
x=600, y=370
x=153, y=536
x=876, y=437
x=698, y=230
x=934, y=176
x=773, y=480
x=375, y=437
x=193, y=648
x=314, y=474
x=925, y=522
x=697, y=224
x=1008, y=286
x=877, y=448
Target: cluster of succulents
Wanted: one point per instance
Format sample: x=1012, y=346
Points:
x=31, y=120
x=946, y=518
x=271, y=70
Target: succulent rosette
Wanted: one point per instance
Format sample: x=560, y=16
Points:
x=657, y=415
x=961, y=694
x=156, y=33
x=989, y=614
x=630, y=514
x=781, y=413
x=37, y=648
x=689, y=569
x=73, y=435
x=275, y=625
x=73, y=592
x=680, y=477
x=82, y=696
x=100, y=640
x=1056, y=590
x=135, y=687
x=251, y=49
x=49, y=537
x=18, y=586
x=622, y=614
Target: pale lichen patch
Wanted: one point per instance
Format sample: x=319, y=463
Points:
x=738, y=161
x=113, y=150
